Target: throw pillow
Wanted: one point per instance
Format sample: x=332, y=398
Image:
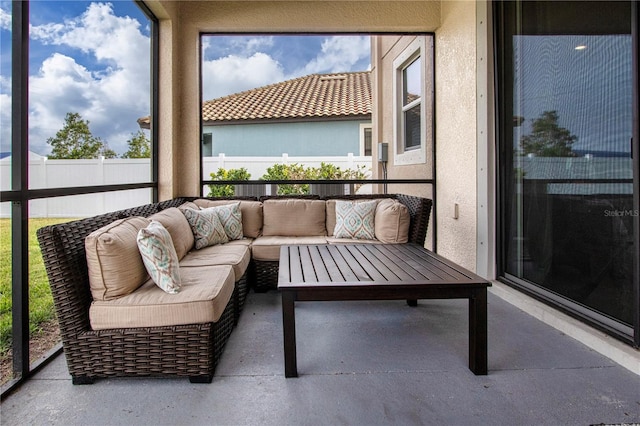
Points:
x=206, y=227
x=159, y=256
x=231, y=218
x=355, y=220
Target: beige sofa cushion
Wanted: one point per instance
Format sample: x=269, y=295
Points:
x=334, y=240
x=114, y=262
x=178, y=226
x=267, y=248
x=251, y=214
x=294, y=218
x=205, y=293
x=392, y=222
x=236, y=255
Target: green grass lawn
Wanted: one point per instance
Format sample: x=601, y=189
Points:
x=41, y=307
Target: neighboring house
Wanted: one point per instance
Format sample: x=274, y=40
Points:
x=314, y=115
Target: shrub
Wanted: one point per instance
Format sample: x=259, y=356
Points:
x=288, y=172
x=295, y=171
x=223, y=174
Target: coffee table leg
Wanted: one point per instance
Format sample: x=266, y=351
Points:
x=289, y=328
x=478, y=332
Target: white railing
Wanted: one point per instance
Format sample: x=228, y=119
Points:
x=45, y=173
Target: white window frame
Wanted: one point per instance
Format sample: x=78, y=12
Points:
x=415, y=50
x=363, y=127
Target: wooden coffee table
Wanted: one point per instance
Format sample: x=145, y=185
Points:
x=378, y=272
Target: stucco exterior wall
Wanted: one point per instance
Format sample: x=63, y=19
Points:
x=384, y=51
x=327, y=138
x=456, y=132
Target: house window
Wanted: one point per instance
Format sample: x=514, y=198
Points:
x=207, y=145
x=410, y=129
x=365, y=140
x=411, y=104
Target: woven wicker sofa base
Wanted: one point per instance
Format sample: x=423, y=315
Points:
x=240, y=296
x=187, y=350
x=144, y=352
x=266, y=275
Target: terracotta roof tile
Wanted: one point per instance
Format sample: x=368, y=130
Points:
x=315, y=95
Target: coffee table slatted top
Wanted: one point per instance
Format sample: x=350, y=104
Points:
x=355, y=265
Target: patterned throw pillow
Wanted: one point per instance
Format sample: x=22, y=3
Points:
x=206, y=227
x=355, y=220
x=159, y=256
x=231, y=219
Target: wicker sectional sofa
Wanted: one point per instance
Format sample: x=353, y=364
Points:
x=116, y=322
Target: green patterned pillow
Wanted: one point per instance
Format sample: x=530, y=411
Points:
x=355, y=220
x=159, y=256
x=206, y=227
x=231, y=219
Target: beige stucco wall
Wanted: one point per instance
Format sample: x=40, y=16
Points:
x=456, y=132
x=455, y=120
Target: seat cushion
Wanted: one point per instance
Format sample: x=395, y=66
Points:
x=268, y=247
x=205, y=293
x=334, y=240
x=294, y=218
x=237, y=256
x=178, y=226
x=114, y=263
x=251, y=212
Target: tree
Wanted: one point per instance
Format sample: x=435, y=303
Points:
x=75, y=141
x=139, y=146
x=547, y=138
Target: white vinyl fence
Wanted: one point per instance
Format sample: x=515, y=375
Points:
x=257, y=166
x=45, y=173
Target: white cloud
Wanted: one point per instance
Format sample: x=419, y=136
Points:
x=338, y=54
x=5, y=20
x=233, y=74
x=247, y=68
x=111, y=95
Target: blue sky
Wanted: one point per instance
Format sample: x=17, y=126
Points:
x=91, y=58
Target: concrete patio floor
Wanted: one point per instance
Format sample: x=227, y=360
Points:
x=360, y=363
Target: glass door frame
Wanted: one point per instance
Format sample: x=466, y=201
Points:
x=504, y=97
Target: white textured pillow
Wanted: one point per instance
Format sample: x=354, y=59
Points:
x=231, y=218
x=206, y=227
x=355, y=220
x=159, y=256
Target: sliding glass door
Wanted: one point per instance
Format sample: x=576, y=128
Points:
x=567, y=207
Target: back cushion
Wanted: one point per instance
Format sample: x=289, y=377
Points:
x=392, y=222
x=174, y=221
x=114, y=262
x=251, y=214
x=294, y=218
